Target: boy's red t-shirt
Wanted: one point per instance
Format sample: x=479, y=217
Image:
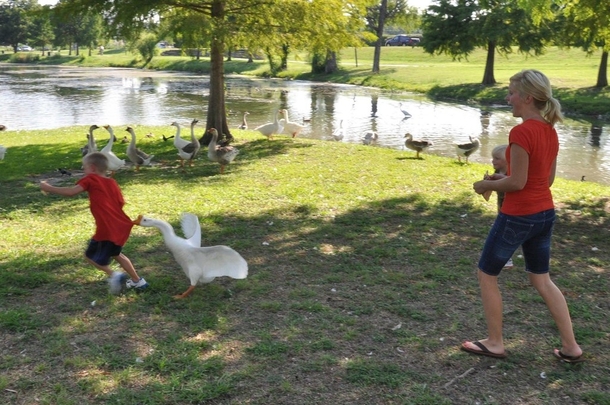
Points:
x=541, y=143
x=106, y=204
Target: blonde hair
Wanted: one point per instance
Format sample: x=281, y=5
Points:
x=500, y=149
x=97, y=159
x=534, y=83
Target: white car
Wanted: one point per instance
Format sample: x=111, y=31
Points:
x=24, y=48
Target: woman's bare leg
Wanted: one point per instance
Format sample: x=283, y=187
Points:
x=492, y=307
x=558, y=307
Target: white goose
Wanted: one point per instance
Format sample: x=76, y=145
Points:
x=271, y=128
x=91, y=145
x=179, y=143
x=290, y=127
x=244, y=123
x=187, y=150
x=200, y=264
x=467, y=149
x=339, y=133
x=137, y=156
x=221, y=154
x=114, y=163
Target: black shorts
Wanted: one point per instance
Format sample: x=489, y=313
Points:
x=102, y=252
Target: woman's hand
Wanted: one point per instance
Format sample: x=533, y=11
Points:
x=496, y=176
x=480, y=186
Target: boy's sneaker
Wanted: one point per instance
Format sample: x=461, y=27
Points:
x=115, y=282
x=509, y=264
x=140, y=285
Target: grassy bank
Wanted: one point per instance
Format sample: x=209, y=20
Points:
x=571, y=71
x=361, y=285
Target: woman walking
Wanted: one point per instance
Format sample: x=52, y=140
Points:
x=527, y=214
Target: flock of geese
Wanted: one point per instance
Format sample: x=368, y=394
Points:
x=187, y=149
x=284, y=125
x=225, y=154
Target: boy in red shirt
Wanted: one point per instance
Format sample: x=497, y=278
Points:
x=113, y=226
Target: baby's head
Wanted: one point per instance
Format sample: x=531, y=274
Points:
x=498, y=158
x=95, y=162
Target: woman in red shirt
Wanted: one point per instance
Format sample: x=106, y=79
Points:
x=527, y=214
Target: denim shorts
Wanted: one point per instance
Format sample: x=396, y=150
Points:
x=102, y=252
x=531, y=232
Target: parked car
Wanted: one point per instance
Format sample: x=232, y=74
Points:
x=402, y=40
x=24, y=48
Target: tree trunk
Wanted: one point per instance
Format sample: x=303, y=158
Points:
x=217, y=117
x=331, y=62
x=284, y=57
x=379, y=43
x=488, y=77
x=602, y=74
x=273, y=68
x=318, y=63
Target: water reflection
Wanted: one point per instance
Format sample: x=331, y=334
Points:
x=52, y=97
x=596, y=134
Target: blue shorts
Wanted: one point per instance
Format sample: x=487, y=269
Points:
x=531, y=232
x=102, y=252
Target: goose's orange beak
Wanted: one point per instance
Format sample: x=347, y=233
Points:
x=138, y=220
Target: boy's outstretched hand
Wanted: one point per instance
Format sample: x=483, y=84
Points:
x=43, y=185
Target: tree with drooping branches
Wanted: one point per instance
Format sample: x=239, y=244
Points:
x=225, y=19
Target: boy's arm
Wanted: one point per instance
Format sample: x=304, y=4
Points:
x=65, y=191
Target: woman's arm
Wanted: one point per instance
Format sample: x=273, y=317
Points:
x=552, y=175
x=519, y=166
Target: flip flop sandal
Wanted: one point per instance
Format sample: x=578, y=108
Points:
x=483, y=352
x=568, y=359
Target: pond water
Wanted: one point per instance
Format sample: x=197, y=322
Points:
x=34, y=97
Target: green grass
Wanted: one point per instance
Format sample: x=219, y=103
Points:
x=361, y=283
x=572, y=72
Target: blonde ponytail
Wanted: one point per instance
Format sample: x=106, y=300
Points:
x=534, y=83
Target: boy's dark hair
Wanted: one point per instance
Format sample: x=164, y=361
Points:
x=97, y=159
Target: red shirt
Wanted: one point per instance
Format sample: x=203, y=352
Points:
x=106, y=204
x=541, y=143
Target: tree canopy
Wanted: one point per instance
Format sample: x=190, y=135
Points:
x=458, y=27
x=582, y=23
x=17, y=21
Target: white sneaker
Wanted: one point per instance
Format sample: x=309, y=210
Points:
x=115, y=282
x=140, y=285
x=509, y=264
